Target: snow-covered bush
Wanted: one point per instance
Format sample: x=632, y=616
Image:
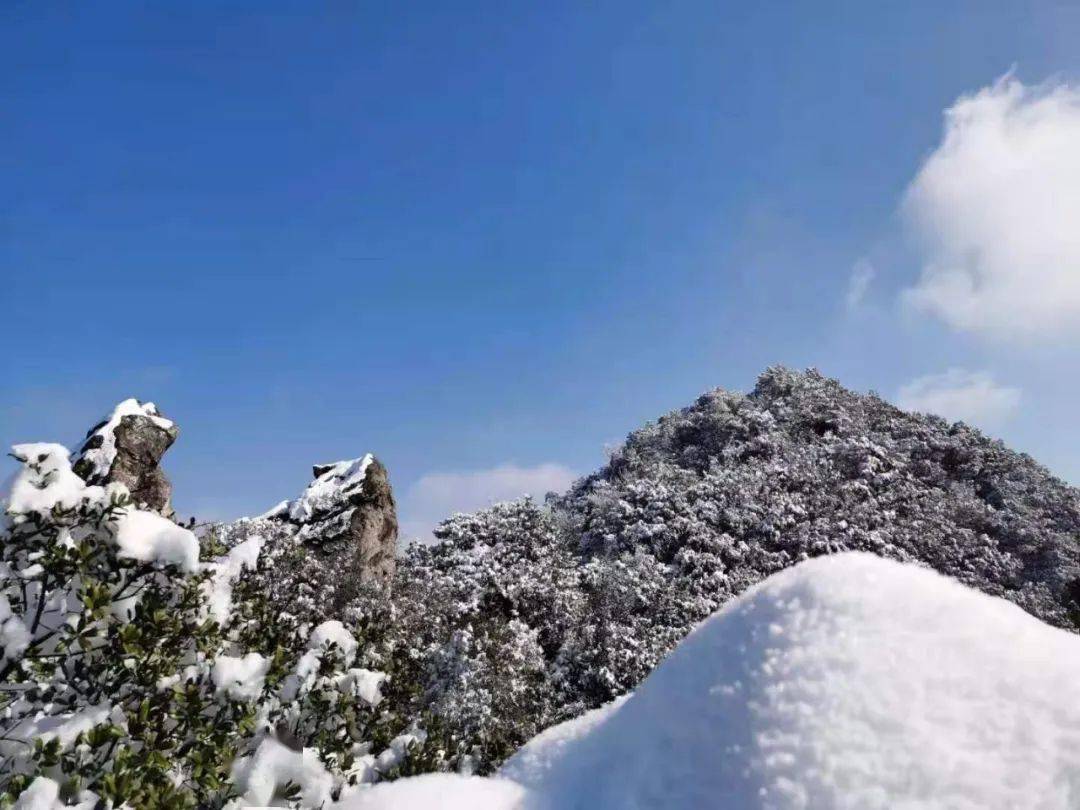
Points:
x=478, y=621
x=135, y=673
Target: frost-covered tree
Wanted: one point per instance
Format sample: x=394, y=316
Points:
x=478, y=617
x=736, y=487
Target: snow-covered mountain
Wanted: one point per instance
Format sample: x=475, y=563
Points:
x=292, y=659
x=526, y=615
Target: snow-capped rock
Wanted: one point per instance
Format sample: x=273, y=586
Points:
x=348, y=513
x=330, y=492
x=127, y=448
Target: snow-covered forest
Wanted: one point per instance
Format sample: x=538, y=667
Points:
x=525, y=659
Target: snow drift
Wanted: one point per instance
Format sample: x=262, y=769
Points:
x=847, y=681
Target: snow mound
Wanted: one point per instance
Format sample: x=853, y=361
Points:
x=534, y=759
x=845, y=682
x=333, y=632
x=261, y=776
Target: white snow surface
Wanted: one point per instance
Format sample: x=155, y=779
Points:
x=45, y=480
x=259, y=776
x=14, y=634
x=329, y=490
x=102, y=457
x=848, y=682
x=333, y=632
x=241, y=678
x=226, y=569
x=319, y=640
x=366, y=684
x=43, y=794
x=65, y=727
x=534, y=759
x=278, y=509
x=438, y=791
x=149, y=537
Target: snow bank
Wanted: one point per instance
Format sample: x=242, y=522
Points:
x=260, y=776
x=101, y=458
x=846, y=682
x=43, y=794
x=533, y=760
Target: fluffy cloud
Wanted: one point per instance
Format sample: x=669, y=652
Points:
x=996, y=208
x=970, y=396
x=438, y=495
x=862, y=275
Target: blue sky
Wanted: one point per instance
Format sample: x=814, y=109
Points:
x=486, y=240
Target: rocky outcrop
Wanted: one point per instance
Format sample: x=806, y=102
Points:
x=347, y=514
x=373, y=529
x=127, y=448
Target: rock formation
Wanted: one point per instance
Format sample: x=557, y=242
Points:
x=127, y=448
x=347, y=513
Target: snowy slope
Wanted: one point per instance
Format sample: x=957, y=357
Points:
x=845, y=682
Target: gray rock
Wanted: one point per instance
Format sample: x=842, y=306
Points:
x=373, y=528
x=127, y=448
x=348, y=516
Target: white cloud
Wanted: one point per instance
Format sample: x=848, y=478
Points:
x=437, y=495
x=996, y=209
x=969, y=396
x=862, y=275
